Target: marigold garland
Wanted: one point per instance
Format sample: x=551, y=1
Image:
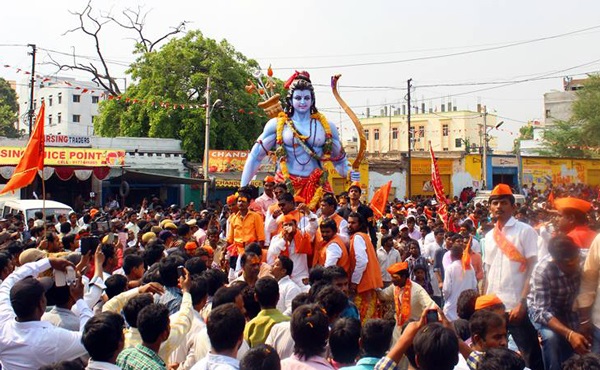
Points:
x=281, y=153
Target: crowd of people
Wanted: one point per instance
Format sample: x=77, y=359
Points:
x=272, y=282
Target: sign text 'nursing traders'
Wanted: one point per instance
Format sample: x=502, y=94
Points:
x=68, y=157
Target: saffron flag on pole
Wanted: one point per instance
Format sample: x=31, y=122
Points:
x=380, y=199
x=438, y=188
x=32, y=159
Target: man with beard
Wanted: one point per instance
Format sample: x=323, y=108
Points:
x=510, y=256
x=366, y=276
x=355, y=205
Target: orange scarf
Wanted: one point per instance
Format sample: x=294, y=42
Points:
x=466, y=256
x=402, y=306
x=508, y=248
x=302, y=244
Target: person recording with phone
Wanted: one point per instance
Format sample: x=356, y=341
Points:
x=410, y=299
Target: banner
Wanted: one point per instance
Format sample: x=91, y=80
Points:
x=234, y=161
x=9, y=156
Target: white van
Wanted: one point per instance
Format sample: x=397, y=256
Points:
x=483, y=196
x=28, y=207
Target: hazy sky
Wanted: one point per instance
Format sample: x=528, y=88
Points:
x=328, y=37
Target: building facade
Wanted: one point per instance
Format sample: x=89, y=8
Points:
x=71, y=105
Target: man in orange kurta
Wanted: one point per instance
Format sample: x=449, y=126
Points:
x=328, y=211
x=366, y=274
x=245, y=227
x=573, y=220
x=332, y=251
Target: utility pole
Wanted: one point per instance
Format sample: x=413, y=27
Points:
x=32, y=87
x=206, y=141
x=485, y=145
x=408, y=169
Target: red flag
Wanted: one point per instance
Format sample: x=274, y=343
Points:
x=32, y=159
x=438, y=188
x=380, y=199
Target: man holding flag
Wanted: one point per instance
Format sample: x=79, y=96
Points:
x=32, y=159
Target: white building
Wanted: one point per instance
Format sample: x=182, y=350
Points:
x=71, y=105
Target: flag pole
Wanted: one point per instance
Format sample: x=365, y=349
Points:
x=44, y=202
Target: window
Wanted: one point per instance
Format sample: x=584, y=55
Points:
x=76, y=118
x=59, y=98
x=58, y=117
x=421, y=131
x=76, y=98
x=394, y=133
x=95, y=99
x=445, y=130
x=49, y=120
x=445, y=149
x=50, y=101
x=376, y=134
x=548, y=113
x=367, y=134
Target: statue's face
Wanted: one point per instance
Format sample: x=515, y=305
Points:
x=301, y=101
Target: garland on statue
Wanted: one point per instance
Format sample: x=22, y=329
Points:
x=281, y=153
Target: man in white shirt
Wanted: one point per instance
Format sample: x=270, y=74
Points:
x=510, y=255
x=25, y=341
x=387, y=256
x=267, y=198
x=413, y=230
x=288, y=290
x=456, y=280
x=225, y=328
x=184, y=355
x=294, y=240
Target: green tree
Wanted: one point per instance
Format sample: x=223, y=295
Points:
x=563, y=140
x=580, y=135
x=177, y=74
x=526, y=132
x=9, y=109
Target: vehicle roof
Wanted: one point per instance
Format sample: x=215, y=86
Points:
x=35, y=203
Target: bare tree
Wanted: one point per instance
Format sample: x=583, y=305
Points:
x=92, y=25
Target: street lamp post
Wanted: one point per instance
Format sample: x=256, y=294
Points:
x=486, y=140
x=209, y=110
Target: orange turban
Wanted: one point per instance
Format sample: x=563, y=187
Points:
x=355, y=184
x=93, y=212
x=486, y=301
x=501, y=189
x=397, y=267
x=299, y=199
x=190, y=246
x=289, y=218
x=231, y=199
x=572, y=203
x=269, y=179
x=208, y=248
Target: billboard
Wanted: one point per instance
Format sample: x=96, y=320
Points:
x=234, y=161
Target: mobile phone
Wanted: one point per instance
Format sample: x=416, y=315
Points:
x=122, y=238
x=431, y=316
x=71, y=276
x=89, y=243
x=60, y=278
x=180, y=271
x=111, y=238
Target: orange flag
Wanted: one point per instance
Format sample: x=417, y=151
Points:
x=551, y=198
x=380, y=199
x=32, y=159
